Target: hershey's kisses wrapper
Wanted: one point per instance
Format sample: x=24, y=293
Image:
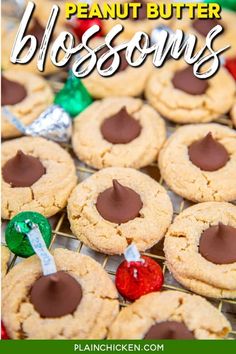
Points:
x=37, y=242
x=54, y=124
x=222, y=60
x=132, y=254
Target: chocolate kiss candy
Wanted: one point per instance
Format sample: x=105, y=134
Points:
x=54, y=124
x=12, y=92
x=81, y=25
x=119, y=204
x=142, y=11
x=137, y=278
x=186, y=81
x=121, y=128
x=4, y=334
x=22, y=170
x=169, y=330
x=17, y=241
x=230, y=64
x=203, y=26
x=123, y=62
x=56, y=295
x=37, y=31
x=218, y=244
x=73, y=97
x=208, y=154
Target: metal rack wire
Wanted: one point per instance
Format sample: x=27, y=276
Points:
x=61, y=231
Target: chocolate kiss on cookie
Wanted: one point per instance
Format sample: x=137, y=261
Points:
x=123, y=62
x=37, y=31
x=12, y=92
x=208, y=154
x=218, y=244
x=56, y=295
x=203, y=26
x=121, y=128
x=186, y=81
x=119, y=204
x=142, y=11
x=22, y=170
x=169, y=330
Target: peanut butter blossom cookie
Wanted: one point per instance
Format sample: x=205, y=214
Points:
x=199, y=162
x=118, y=206
x=43, y=9
x=5, y=256
x=126, y=81
x=170, y=315
x=36, y=28
x=200, y=249
x=117, y=131
x=201, y=27
x=26, y=95
x=68, y=304
x=176, y=93
x=37, y=175
x=233, y=114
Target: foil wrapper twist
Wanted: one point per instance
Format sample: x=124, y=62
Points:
x=37, y=242
x=54, y=124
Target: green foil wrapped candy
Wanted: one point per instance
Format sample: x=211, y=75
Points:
x=228, y=4
x=73, y=97
x=18, y=242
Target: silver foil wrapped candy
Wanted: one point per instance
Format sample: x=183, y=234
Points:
x=156, y=32
x=54, y=124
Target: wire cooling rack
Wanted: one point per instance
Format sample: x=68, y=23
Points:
x=63, y=237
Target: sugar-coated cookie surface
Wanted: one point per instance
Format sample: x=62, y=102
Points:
x=92, y=318
x=182, y=107
x=197, y=314
x=188, y=180
x=111, y=238
x=233, y=114
x=226, y=37
x=5, y=256
x=91, y=147
x=43, y=9
x=38, y=31
x=39, y=97
x=126, y=81
x=185, y=261
x=47, y=195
